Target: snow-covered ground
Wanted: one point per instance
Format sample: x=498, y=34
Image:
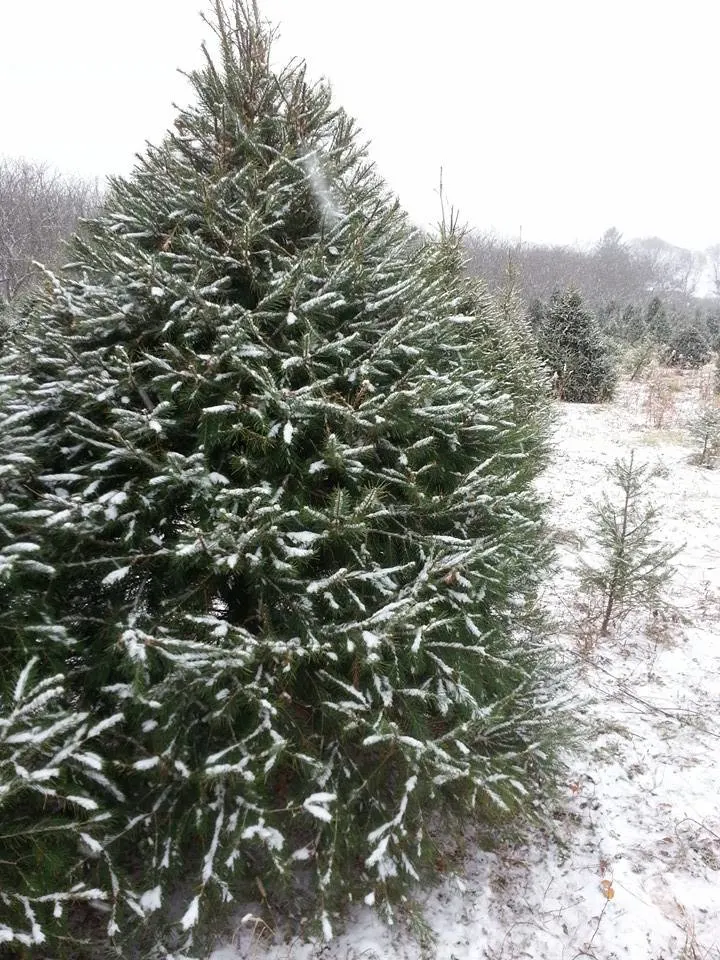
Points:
x=632, y=868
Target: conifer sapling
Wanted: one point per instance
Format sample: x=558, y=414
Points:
x=634, y=565
x=705, y=428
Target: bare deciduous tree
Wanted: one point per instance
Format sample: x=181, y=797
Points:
x=713, y=260
x=675, y=270
x=39, y=208
x=612, y=271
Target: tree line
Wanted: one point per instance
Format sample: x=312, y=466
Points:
x=39, y=209
x=643, y=291
x=613, y=270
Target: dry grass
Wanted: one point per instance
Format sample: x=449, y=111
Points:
x=660, y=400
x=668, y=395
x=706, y=388
x=692, y=950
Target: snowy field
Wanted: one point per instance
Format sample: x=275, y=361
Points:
x=632, y=867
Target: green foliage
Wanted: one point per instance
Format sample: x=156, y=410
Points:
x=516, y=361
x=578, y=358
x=51, y=784
x=267, y=515
x=689, y=347
x=634, y=565
x=685, y=336
x=536, y=314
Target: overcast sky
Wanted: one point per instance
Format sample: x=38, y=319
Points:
x=560, y=117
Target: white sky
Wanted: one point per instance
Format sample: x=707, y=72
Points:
x=563, y=117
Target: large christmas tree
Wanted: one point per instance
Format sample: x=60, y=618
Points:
x=269, y=544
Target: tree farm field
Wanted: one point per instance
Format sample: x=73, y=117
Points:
x=632, y=866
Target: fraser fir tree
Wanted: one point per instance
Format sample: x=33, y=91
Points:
x=268, y=523
x=571, y=344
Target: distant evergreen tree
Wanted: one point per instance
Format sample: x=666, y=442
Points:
x=689, y=347
x=632, y=324
x=624, y=329
x=13, y=317
x=657, y=320
x=712, y=327
x=268, y=523
x=536, y=314
x=517, y=362
x=574, y=350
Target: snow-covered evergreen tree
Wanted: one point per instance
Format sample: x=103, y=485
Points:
x=570, y=342
x=267, y=519
x=518, y=349
x=689, y=347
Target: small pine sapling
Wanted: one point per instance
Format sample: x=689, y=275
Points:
x=635, y=565
x=705, y=429
x=639, y=357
